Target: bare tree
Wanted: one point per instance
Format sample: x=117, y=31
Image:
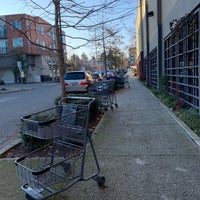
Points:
x=61, y=58
x=76, y=18
x=74, y=62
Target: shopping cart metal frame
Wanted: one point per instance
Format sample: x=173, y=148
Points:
x=104, y=91
x=123, y=81
x=64, y=159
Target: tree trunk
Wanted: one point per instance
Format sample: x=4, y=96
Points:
x=61, y=60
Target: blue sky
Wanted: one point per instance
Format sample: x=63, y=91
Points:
x=126, y=26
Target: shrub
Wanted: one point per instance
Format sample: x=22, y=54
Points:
x=170, y=101
x=191, y=118
x=30, y=142
x=33, y=143
x=94, y=108
x=164, y=83
x=187, y=114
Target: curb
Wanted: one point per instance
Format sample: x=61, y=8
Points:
x=14, y=90
x=9, y=146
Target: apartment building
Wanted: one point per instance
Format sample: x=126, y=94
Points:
x=27, y=48
x=167, y=43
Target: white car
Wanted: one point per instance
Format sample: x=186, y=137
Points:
x=78, y=81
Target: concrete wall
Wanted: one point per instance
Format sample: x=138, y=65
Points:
x=153, y=36
x=171, y=9
x=139, y=28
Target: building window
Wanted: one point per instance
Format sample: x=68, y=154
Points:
x=3, y=47
x=17, y=42
x=29, y=42
x=28, y=26
x=42, y=43
x=54, y=48
x=3, y=31
x=53, y=36
x=41, y=30
x=16, y=24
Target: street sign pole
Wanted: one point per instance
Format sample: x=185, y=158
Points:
x=19, y=65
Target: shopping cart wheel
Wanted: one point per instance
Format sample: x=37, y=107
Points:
x=100, y=181
x=29, y=197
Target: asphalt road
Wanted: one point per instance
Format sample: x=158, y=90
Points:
x=13, y=105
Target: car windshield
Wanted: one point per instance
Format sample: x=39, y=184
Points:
x=74, y=76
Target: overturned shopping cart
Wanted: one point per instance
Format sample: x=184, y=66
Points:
x=105, y=91
x=62, y=163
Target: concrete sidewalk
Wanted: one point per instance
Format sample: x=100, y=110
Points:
x=144, y=152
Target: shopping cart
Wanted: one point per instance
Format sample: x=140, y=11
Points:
x=112, y=96
x=123, y=81
x=104, y=90
x=62, y=163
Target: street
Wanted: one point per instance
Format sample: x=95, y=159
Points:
x=16, y=104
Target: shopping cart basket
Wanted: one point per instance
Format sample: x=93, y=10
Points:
x=123, y=81
x=112, y=96
x=62, y=163
x=104, y=90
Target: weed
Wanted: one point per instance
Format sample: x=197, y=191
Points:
x=191, y=118
x=188, y=115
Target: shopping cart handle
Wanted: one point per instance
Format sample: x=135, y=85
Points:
x=41, y=171
x=25, y=117
x=19, y=160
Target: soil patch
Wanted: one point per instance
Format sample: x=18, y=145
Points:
x=20, y=149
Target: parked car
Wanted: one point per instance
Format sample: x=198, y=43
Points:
x=78, y=81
